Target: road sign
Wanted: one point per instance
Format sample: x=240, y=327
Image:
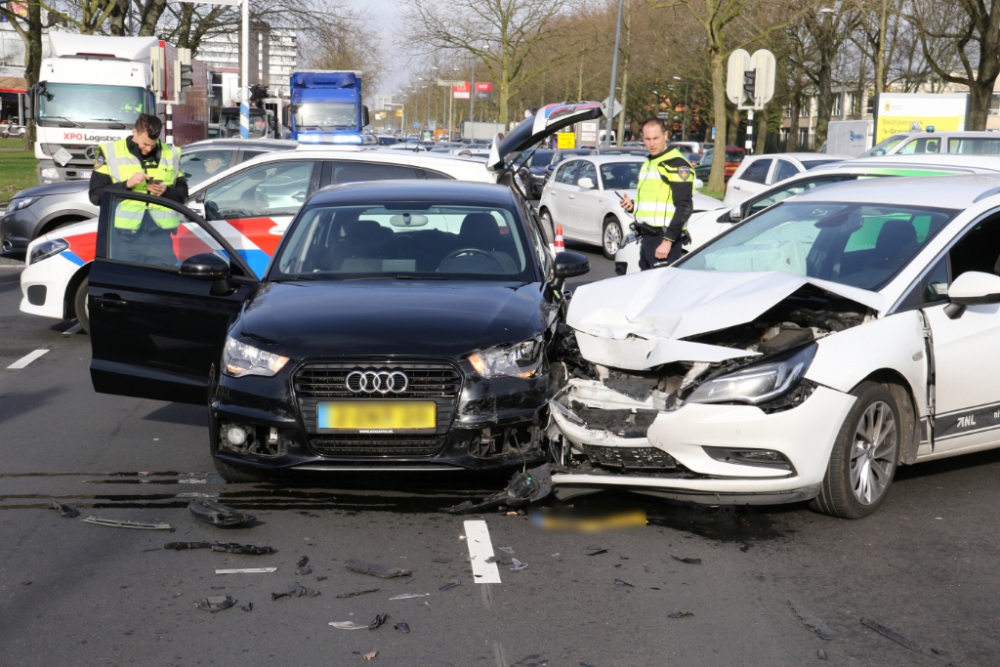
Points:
x=750, y=79
x=565, y=140
x=663, y=115
x=763, y=63
x=416, y=125
x=399, y=112
x=462, y=91
x=738, y=61
x=614, y=109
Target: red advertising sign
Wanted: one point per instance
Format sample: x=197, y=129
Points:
x=461, y=91
x=484, y=87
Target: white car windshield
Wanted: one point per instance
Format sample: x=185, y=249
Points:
x=861, y=245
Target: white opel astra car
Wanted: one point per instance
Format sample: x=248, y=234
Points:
x=802, y=355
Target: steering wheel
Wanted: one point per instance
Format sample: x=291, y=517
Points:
x=260, y=198
x=471, y=251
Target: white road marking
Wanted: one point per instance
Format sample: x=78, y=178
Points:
x=72, y=330
x=27, y=359
x=480, y=550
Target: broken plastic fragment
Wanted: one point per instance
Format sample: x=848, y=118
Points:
x=244, y=549
x=370, y=656
x=247, y=607
x=821, y=654
x=524, y=487
x=891, y=634
x=374, y=570
x=403, y=627
x=248, y=570
x=598, y=552
x=813, y=621
x=114, y=523
x=409, y=596
x=296, y=590
x=518, y=565
x=64, y=510
x=343, y=596
x=303, y=571
x=745, y=548
x=508, y=550
x=689, y=561
x=302, y=561
x=378, y=621
x=499, y=560
x=619, y=582
x=348, y=625
x=217, y=514
x=214, y=603
x=940, y=651
x=449, y=585
x=679, y=614
x=184, y=546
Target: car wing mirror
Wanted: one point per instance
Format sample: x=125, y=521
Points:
x=586, y=183
x=208, y=266
x=736, y=213
x=568, y=265
x=698, y=184
x=972, y=288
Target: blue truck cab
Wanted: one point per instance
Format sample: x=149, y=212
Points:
x=326, y=107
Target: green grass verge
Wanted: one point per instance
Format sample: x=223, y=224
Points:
x=17, y=172
x=713, y=193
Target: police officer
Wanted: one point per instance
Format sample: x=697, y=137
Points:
x=141, y=163
x=663, y=199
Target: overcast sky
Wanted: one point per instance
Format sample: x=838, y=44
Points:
x=388, y=13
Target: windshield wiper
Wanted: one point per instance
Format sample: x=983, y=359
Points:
x=72, y=123
x=119, y=125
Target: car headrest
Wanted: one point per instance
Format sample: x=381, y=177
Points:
x=894, y=237
x=479, y=230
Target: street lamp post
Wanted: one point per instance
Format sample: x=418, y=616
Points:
x=614, y=77
x=684, y=122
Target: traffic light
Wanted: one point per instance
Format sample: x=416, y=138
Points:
x=750, y=83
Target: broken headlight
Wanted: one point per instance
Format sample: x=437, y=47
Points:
x=239, y=359
x=521, y=360
x=759, y=383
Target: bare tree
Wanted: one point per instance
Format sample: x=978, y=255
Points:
x=349, y=43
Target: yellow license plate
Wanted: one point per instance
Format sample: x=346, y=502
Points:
x=377, y=415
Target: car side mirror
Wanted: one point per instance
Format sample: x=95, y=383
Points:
x=698, y=184
x=208, y=266
x=972, y=288
x=586, y=183
x=736, y=213
x=568, y=265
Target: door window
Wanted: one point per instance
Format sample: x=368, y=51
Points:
x=784, y=169
x=201, y=165
x=757, y=172
x=566, y=173
x=977, y=146
x=356, y=172
x=162, y=238
x=620, y=175
x=790, y=190
x=922, y=145
x=267, y=190
x=586, y=170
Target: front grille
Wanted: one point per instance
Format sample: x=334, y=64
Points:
x=440, y=382
x=377, y=445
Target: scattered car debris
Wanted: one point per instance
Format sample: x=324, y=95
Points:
x=402, y=627
x=374, y=570
x=409, y=596
x=940, y=651
x=322, y=577
x=744, y=548
x=813, y=621
x=508, y=550
x=302, y=561
x=680, y=614
x=185, y=546
x=440, y=560
x=296, y=590
x=524, y=487
x=347, y=625
x=64, y=510
x=304, y=571
x=518, y=565
x=689, y=561
x=344, y=596
x=584, y=664
x=621, y=582
x=450, y=585
x=598, y=552
x=378, y=621
x=247, y=607
x=214, y=603
x=25, y=583
x=370, y=656
x=243, y=549
x=821, y=654
x=248, y=570
x=499, y=560
x=137, y=525
x=217, y=514
x=891, y=634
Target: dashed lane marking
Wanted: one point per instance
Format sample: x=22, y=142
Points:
x=27, y=359
x=477, y=535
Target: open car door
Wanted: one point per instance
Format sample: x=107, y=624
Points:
x=160, y=301
x=549, y=120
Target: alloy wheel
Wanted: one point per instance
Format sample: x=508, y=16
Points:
x=873, y=453
x=612, y=238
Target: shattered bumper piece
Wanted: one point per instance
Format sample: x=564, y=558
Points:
x=214, y=603
x=524, y=487
x=347, y=625
x=64, y=510
x=136, y=525
x=243, y=549
x=217, y=514
x=374, y=570
x=813, y=621
x=296, y=590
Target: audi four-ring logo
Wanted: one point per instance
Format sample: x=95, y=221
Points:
x=382, y=382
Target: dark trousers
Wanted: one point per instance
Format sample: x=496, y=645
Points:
x=150, y=245
x=647, y=252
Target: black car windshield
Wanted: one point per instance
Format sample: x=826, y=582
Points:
x=541, y=158
x=861, y=245
x=441, y=242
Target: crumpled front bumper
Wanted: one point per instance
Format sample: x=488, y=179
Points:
x=804, y=435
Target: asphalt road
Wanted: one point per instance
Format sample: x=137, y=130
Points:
x=72, y=593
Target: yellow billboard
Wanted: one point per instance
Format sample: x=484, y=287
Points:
x=915, y=112
x=565, y=140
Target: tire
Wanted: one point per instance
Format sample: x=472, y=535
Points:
x=548, y=227
x=858, y=475
x=611, y=237
x=80, y=306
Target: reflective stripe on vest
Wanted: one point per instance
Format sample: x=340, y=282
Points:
x=654, y=198
x=120, y=164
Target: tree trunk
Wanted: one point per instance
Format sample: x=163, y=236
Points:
x=117, y=18
x=792, y=144
x=824, y=100
x=883, y=26
x=504, y=99
x=149, y=16
x=734, y=126
x=33, y=61
x=716, y=179
x=980, y=93
x=625, y=58
x=760, y=131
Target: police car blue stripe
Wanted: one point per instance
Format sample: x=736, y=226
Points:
x=257, y=260
x=73, y=257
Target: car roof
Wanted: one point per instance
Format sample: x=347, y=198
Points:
x=271, y=144
x=956, y=192
x=972, y=134
x=986, y=162
x=801, y=157
x=455, y=192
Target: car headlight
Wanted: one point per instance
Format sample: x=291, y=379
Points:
x=239, y=359
x=19, y=203
x=521, y=360
x=759, y=383
x=47, y=249
x=50, y=173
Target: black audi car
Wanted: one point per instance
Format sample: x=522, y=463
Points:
x=400, y=325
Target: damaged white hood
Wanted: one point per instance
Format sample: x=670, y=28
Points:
x=639, y=321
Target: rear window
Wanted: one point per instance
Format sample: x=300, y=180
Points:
x=734, y=156
x=985, y=146
x=812, y=164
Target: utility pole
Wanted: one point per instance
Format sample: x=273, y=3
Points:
x=472, y=97
x=614, y=77
x=449, y=87
x=684, y=119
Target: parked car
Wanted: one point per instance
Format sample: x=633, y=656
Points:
x=44, y=208
x=757, y=172
x=802, y=356
x=583, y=197
x=706, y=226
x=917, y=143
x=734, y=156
